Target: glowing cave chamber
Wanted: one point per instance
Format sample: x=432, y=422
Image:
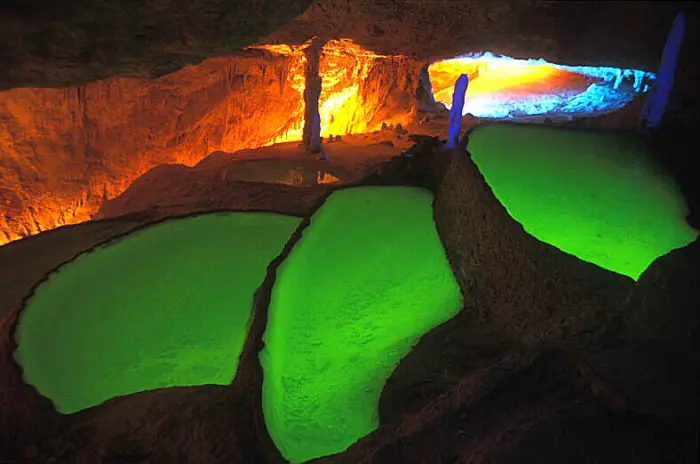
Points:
x=501, y=87
x=360, y=89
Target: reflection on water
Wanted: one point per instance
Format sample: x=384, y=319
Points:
x=280, y=172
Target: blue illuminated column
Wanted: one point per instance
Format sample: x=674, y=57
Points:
x=655, y=104
x=456, y=111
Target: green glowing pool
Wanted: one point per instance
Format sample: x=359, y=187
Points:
x=596, y=196
x=368, y=278
x=165, y=306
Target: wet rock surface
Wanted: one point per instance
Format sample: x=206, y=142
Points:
x=546, y=368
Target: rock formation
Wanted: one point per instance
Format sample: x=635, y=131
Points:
x=529, y=371
x=460, y=92
x=544, y=362
x=64, y=150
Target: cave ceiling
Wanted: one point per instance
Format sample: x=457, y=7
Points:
x=62, y=43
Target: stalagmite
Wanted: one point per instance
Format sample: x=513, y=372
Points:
x=456, y=111
x=312, y=93
x=315, y=143
x=655, y=104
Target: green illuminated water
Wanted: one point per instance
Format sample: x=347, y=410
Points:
x=368, y=278
x=165, y=306
x=596, y=196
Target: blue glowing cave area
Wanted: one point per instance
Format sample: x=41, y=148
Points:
x=502, y=87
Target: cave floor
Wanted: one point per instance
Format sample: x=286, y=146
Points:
x=436, y=407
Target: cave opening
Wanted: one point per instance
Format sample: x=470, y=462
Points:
x=255, y=99
x=362, y=91
x=501, y=87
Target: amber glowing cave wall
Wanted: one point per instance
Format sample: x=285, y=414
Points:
x=64, y=151
x=360, y=89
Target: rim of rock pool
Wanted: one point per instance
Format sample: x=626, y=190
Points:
x=249, y=364
x=630, y=173
x=253, y=344
x=165, y=306
x=18, y=309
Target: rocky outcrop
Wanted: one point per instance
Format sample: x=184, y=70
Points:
x=518, y=291
x=527, y=407
x=527, y=289
x=64, y=151
x=529, y=371
x=541, y=376
x=660, y=309
x=654, y=373
x=66, y=43
x=626, y=36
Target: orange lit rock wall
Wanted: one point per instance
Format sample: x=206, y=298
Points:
x=360, y=89
x=63, y=151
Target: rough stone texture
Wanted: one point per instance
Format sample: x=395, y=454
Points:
x=525, y=288
x=60, y=43
x=194, y=424
x=527, y=407
x=659, y=308
x=482, y=387
x=675, y=144
x=63, y=151
x=486, y=386
x=64, y=43
x=518, y=291
x=243, y=180
x=656, y=372
x=473, y=390
x=612, y=33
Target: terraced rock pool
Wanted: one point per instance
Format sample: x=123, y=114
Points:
x=597, y=196
x=165, y=306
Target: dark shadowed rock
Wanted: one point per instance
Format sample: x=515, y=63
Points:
x=656, y=372
x=26, y=418
x=532, y=411
x=520, y=375
x=61, y=43
x=522, y=287
x=665, y=304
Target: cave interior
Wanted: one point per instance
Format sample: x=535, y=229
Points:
x=349, y=231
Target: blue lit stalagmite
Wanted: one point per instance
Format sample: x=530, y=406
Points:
x=655, y=104
x=501, y=87
x=456, y=111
